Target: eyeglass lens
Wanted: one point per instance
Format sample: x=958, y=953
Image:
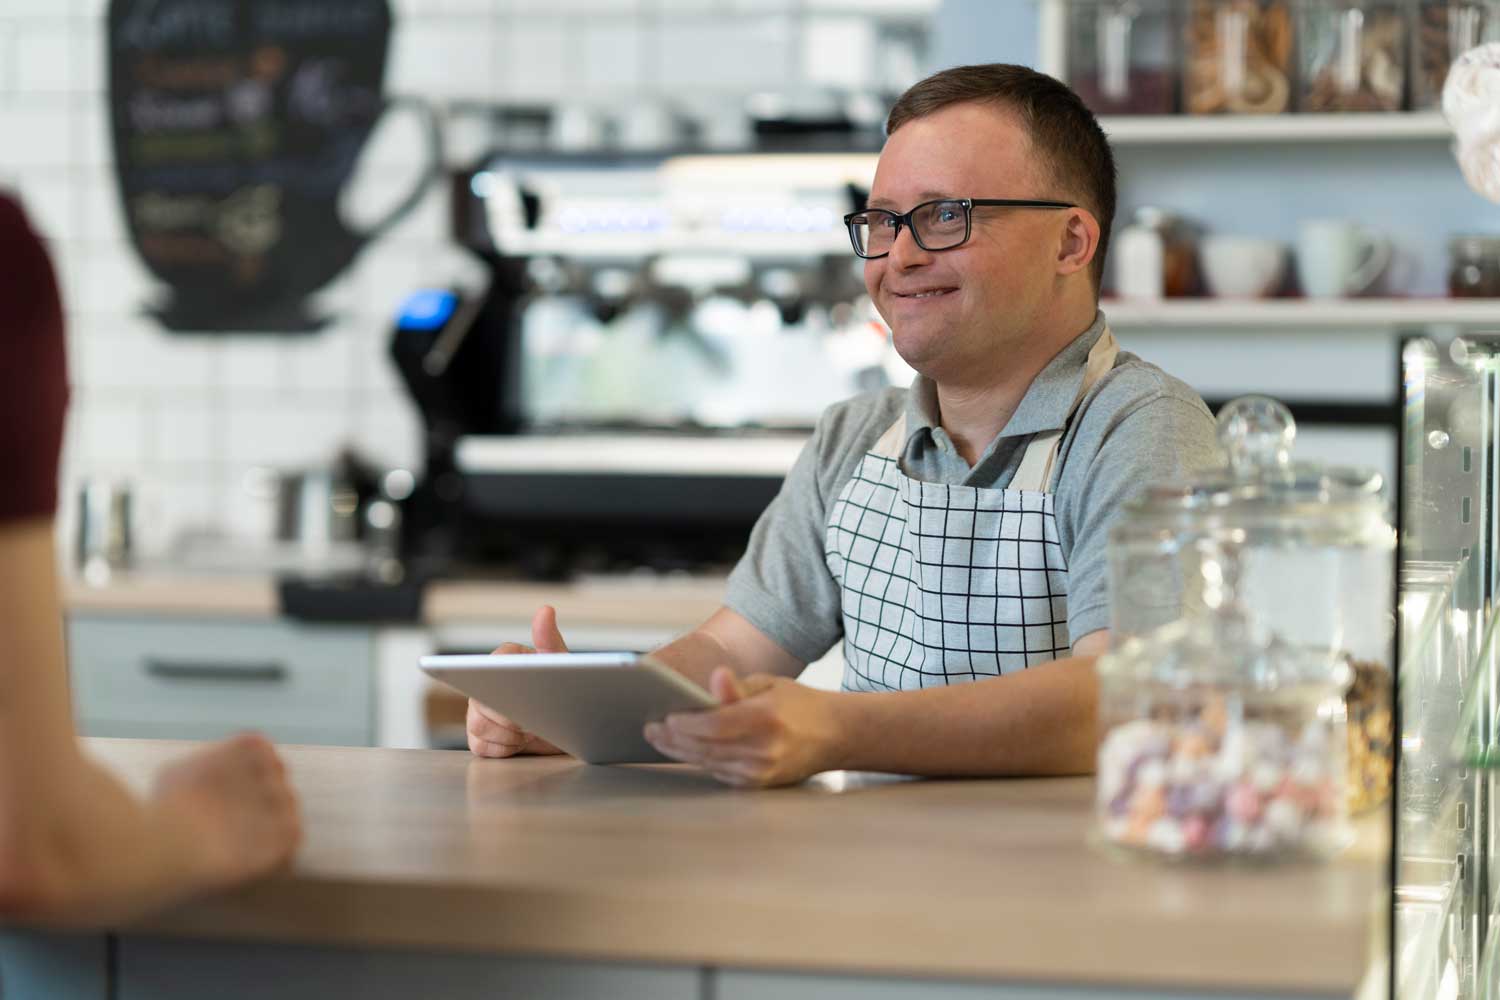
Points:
x=938, y=225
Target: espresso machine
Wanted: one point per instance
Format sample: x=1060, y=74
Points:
x=657, y=338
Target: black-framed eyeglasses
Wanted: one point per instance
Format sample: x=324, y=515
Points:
x=936, y=225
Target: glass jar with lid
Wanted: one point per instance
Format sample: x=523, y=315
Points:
x=1474, y=267
x=1443, y=30
x=1313, y=557
x=1237, y=57
x=1122, y=56
x=1353, y=55
x=1221, y=740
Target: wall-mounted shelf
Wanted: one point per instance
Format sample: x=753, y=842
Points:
x=1302, y=314
x=1189, y=129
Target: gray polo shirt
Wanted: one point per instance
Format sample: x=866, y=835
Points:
x=1136, y=426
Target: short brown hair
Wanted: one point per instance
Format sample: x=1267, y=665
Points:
x=1064, y=132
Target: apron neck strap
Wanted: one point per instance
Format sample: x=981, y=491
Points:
x=1035, y=472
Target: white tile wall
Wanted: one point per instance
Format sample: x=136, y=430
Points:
x=187, y=416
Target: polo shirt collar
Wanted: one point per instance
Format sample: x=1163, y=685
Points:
x=1046, y=403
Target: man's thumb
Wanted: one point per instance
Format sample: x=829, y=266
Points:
x=544, y=633
x=723, y=685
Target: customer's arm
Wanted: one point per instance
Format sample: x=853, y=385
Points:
x=77, y=848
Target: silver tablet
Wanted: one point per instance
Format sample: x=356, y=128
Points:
x=593, y=705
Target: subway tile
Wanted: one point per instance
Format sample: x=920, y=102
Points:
x=114, y=282
x=186, y=431
x=541, y=58
x=101, y=217
x=838, y=51
x=389, y=432
x=552, y=8
x=613, y=56
x=44, y=59
x=288, y=434
x=39, y=10
x=252, y=362
x=9, y=36
x=114, y=434
x=726, y=54
x=50, y=199
x=135, y=353
x=248, y=516
x=90, y=53
x=444, y=59
x=323, y=361
x=93, y=143
x=36, y=135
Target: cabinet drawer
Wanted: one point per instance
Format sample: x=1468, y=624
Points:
x=203, y=679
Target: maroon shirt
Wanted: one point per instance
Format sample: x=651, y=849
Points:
x=33, y=371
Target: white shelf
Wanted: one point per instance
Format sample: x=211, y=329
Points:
x=1302, y=314
x=1363, y=126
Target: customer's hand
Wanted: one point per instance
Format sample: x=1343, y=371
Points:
x=235, y=807
x=767, y=731
x=492, y=734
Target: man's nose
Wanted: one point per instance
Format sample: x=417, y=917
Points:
x=906, y=252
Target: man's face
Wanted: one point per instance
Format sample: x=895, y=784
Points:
x=953, y=310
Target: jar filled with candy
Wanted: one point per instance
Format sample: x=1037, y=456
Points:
x=1221, y=740
x=1312, y=559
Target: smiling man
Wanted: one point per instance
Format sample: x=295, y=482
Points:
x=952, y=534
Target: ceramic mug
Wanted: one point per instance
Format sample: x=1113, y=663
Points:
x=1242, y=267
x=1339, y=257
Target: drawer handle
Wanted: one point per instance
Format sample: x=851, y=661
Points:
x=183, y=670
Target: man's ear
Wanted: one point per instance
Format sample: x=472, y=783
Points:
x=1079, y=243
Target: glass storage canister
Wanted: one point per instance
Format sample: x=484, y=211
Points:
x=1474, y=267
x=1443, y=30
x=1220, y=740
x=1237, y=57
x=1121, y=56
x=1314, y=557
x=1353, y=55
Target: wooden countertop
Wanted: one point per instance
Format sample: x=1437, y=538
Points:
x=849, y=873
x=675, y=603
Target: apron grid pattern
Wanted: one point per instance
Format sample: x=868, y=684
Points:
x=943, y=583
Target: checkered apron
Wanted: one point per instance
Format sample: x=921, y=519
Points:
x=943, y=584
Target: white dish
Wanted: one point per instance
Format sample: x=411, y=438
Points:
x=593, y=705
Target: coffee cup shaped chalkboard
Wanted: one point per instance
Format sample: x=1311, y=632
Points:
x=236, y=124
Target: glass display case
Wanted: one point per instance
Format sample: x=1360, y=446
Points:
x=1443, y=820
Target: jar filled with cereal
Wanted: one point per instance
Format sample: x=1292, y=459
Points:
x=1237, y=57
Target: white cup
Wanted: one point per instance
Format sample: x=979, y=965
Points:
x=1338, y=257
x=1242, y=267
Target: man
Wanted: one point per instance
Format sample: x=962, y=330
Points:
x=952, y=534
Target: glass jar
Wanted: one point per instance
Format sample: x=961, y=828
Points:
x=1313, y=562
x=1121, y=55
x=1353, y=55
x=1237, y=57
x=1474, y=267
x=1221, y=740
x=1442, y=31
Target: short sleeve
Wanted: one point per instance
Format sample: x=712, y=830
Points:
x=783, y=585
x=33, y=370
x=1163, y=438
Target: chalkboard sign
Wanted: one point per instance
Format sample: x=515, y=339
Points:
x=236, y=123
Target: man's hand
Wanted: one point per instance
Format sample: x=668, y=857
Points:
x=768, y=731
x=238, y=808
x=492, y=734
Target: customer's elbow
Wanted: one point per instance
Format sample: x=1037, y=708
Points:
x=30, y=890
